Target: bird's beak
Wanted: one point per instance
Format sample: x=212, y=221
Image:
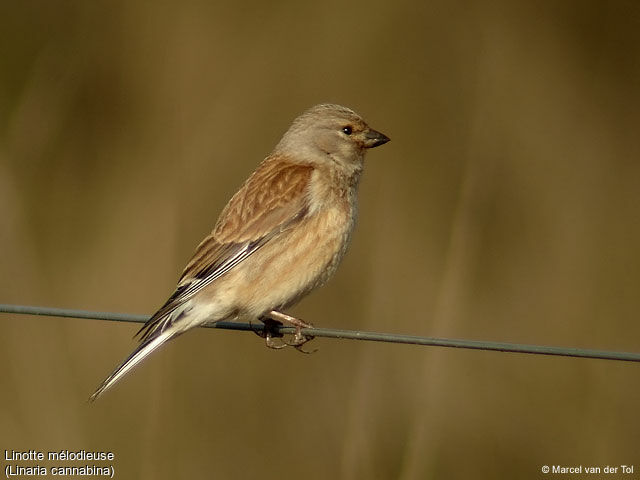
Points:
x=373, y=139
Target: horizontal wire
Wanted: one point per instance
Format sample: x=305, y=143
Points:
x=345, y=334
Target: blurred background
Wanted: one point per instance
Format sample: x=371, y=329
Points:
x=506, y=208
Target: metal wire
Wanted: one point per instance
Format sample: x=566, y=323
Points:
x=345, y=334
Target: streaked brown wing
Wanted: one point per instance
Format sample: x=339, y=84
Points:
x=272, y=200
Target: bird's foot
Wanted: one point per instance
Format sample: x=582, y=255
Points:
x=270, y=332
x=276, y=318
x=299, y=339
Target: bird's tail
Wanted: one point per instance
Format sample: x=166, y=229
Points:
x=150, y=344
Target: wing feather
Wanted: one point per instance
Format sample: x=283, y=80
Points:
x=272, y=200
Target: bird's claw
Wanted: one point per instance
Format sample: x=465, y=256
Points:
x=270, y=332
x=271, y=343
x=299, y=339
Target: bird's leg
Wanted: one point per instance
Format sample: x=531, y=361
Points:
x=299, y=338
x=283, y=317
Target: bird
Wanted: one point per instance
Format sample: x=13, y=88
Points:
x=280, y=236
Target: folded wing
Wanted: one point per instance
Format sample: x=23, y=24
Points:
x=271, y=201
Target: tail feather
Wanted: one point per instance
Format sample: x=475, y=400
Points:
x=149, y=345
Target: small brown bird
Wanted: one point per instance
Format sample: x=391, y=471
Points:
x=279, y=237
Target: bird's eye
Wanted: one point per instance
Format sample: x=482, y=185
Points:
x=347, y=130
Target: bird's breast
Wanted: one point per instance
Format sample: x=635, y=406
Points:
x=297, y=261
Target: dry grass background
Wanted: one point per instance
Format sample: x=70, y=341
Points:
x=506, y=207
